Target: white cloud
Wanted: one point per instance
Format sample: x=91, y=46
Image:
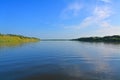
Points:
x=99, y=15
x=100, y=18
x=102, y=12
x=72, y=9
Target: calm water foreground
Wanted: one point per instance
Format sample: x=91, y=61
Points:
x=60, y=60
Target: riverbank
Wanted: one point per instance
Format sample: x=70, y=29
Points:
x=11, y=38
x=114, y=38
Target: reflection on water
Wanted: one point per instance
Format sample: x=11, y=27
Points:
x=61, y=60
x=11, y=44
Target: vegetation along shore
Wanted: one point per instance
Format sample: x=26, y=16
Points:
x=12, y=38
x=114, y=38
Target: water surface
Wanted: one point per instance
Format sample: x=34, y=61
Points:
x=60, y=60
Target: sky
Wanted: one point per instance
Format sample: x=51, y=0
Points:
x=60, y=18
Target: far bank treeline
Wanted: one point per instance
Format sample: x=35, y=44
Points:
x=114, y=38
x=12, y=38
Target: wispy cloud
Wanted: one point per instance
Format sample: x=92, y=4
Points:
x=100, y=17
x=71, y=10
x=100, y=14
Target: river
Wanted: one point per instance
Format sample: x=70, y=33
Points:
x=60, y=60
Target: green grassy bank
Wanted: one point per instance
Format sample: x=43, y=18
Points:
x=11, y=38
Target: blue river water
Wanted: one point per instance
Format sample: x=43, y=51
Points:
x=60, y=60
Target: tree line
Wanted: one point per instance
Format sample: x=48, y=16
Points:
x=114, y=38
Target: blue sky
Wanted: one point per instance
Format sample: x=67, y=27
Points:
x=60, y=18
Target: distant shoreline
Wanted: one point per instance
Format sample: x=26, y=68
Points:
x=114, y=38
x=12, y=38
x=55, y=39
